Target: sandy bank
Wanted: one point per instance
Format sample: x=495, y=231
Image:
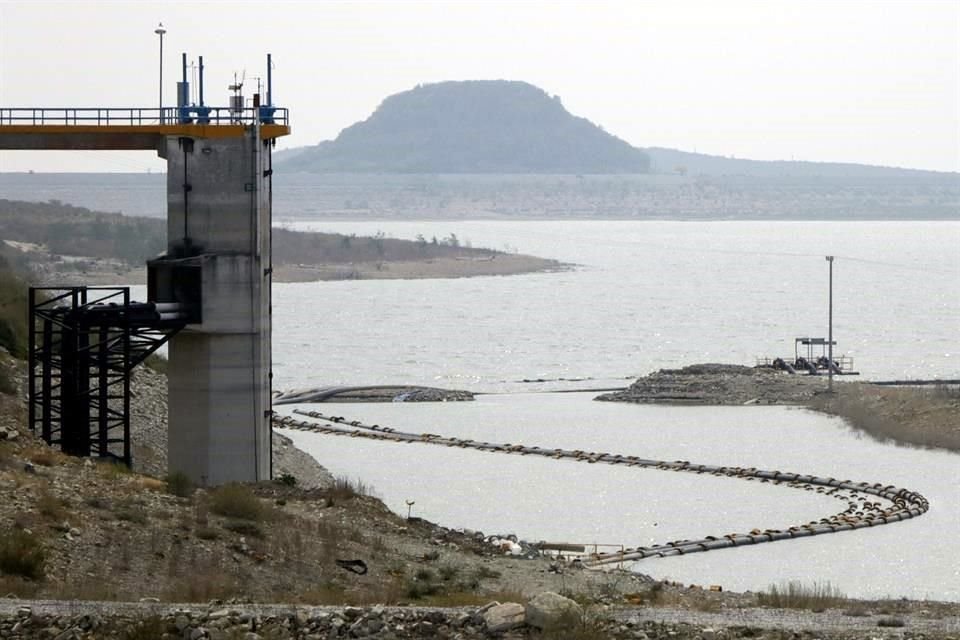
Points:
x=500, y=265
x=105, y=273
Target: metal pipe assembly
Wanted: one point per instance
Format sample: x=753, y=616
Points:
x=892, y=505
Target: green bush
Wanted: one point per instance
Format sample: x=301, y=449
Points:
x=287, y=480
x=178, y=484
x=891, y=622
x=22, y=554
x=237, y=501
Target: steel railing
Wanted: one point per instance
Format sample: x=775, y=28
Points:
x=140, y=116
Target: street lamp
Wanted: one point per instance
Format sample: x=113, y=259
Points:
x=160, y=31
x=830, y=330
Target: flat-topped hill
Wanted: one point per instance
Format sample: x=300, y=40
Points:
x=477, y=126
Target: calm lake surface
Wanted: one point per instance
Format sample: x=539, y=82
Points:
x=645, y=295
x=543, y=499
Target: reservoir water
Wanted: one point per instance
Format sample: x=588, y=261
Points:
x=645, y=295
x=545, y=499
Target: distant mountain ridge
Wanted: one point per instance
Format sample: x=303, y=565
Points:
x=476, y=126
x=512, y=127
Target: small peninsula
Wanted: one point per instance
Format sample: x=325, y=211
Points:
x=60, y=244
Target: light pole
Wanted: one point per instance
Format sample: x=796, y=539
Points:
x=160, y=31
x=830, y=330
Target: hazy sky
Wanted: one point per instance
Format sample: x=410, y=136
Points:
x=868, y=82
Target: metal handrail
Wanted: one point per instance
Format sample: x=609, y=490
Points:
x=139, y=116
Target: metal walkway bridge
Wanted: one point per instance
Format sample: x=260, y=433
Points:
x=131, y=128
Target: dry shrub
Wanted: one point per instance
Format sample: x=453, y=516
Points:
x=345, y=489
x=891, y=622
x=131, y=511
x=244, y=528
x=178, y=484
x=44, y=456
x=51, y=506
x=237, y=501
x=114, y=470
x=796, y=595
x=206, y=533
x=22, y=554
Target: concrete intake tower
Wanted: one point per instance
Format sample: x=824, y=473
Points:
x=209, y=292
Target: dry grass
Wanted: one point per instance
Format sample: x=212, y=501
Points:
x=203, y=585
x=345, y=489
x=44, y=456
x=50, y=506
x=238, y=501
x=796, y=595
x=22, y=554
x=151, y=484
x=19, y=587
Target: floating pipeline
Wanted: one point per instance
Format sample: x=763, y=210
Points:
x=861, y=512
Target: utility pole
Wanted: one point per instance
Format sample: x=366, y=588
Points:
x=160, y=31
x=830, y=330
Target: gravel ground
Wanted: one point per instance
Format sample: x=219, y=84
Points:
x=49, y=619
x=148, y=427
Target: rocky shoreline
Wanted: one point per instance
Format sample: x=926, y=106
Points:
x=720, y=384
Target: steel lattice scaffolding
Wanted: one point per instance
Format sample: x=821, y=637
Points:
x=84, y=344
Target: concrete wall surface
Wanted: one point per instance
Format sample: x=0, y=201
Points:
x=219, y=382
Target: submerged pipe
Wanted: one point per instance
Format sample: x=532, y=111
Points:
x=905, y=504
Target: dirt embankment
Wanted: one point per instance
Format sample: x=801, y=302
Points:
x=79, y=529
x=920, y=416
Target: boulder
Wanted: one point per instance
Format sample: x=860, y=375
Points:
x=504, y=617
x=550, y=610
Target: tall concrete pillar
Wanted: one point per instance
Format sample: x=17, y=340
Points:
x=218, y=227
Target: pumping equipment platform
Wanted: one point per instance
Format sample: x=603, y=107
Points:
x=214, y=277
x=806, y=359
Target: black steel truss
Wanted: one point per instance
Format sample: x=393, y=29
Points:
x=84, y=344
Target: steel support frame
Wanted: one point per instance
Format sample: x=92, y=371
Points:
x=80, y=367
